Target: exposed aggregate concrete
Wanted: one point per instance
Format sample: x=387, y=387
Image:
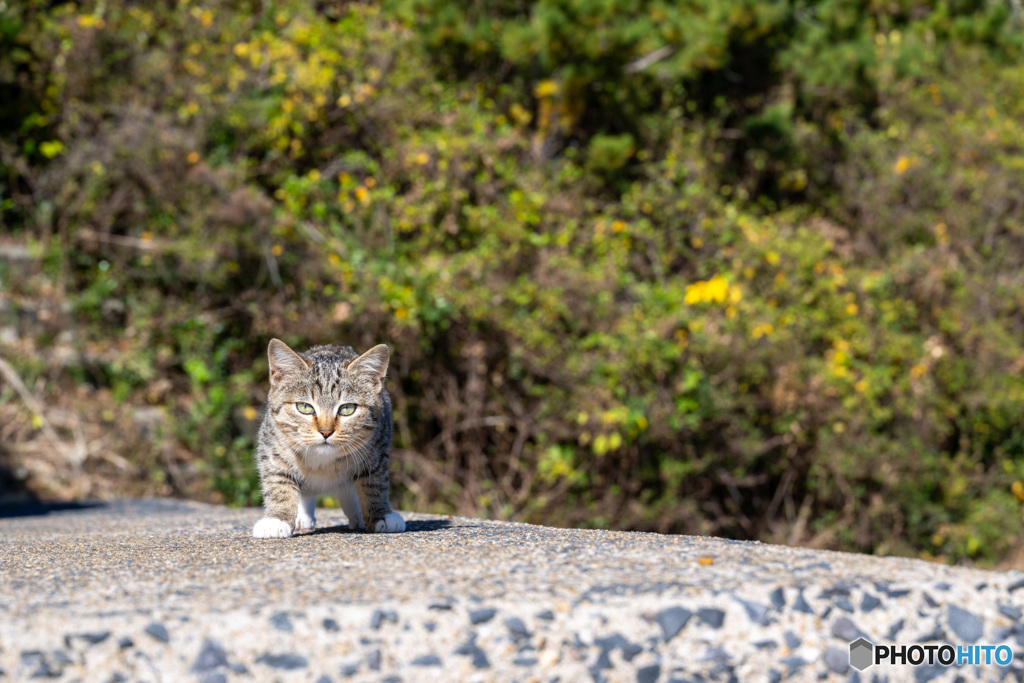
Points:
x=175, y=591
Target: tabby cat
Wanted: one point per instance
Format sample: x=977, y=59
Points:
x=326, y=430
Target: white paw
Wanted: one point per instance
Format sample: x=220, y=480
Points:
x=392, y=523
x=357, y=524
x=271, y=527
x=304, y=522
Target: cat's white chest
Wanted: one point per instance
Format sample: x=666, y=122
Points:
x=326, y=461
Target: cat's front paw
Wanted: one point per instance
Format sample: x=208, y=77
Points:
x=391, y=524
x=272, y=527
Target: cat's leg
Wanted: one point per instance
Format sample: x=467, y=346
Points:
x=306, y=517
x=373, y=491
x=348, y=498
x=280, y=504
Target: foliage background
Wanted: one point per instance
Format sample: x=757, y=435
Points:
x=729, y=267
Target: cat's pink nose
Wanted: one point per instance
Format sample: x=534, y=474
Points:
x=326, y=432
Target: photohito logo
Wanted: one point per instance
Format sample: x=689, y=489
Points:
x=864, y=653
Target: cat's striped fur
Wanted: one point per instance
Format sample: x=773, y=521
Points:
x=309, y=446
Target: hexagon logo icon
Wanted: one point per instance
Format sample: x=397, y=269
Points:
x=862, y=654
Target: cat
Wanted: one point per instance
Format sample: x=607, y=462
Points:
x=326, y=430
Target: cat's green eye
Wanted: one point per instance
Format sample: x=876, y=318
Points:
x=304, y=408
x=347, y=409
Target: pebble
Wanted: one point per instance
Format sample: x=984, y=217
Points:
x=711, y=617
x=801, y=605
x=672, y=621
x=427, y=660
x=844, y=604
x=1011, y=612
x=965, y=625
x=46, y=664
x=481, y=616
x=281, y=622
x=648, y=674
x=756, y=612
x=792, y=640
x=87, y=638
x=380, y=616
x=211, y=656
x=844, y=629
x=517, y=629
x=837, y=659
x=793, y=664
x=869, y=602
x=616, y=640
x=925, y=673
x=777, y=598
x=287, y=662
x=895, y=629
x=470, y=649
x=331, y=625
x=891, y=592
x=158, y=631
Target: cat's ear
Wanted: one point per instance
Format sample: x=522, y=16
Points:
x=284, y=361
x=373, y=364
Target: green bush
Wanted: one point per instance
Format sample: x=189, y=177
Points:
x=734, y=268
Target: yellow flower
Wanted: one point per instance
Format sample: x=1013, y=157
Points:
x=715, y=290
x=545, y=88
x=902, y=164
x=51, y=148
x=422, y=159
x=277, y=250
x=193, y=157
x=1018, y=490
x=851, y=309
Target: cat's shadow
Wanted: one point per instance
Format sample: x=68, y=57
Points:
x=411, y=526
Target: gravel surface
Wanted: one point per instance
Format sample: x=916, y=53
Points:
x=173, y=591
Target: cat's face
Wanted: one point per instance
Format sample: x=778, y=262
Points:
x=326, y=401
